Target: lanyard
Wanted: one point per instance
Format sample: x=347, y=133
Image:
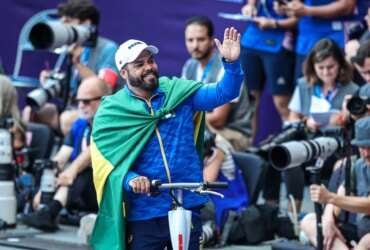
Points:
x=329, y=96
x=85, y=138
x=207, y=69
x=84, y=59
x=85, y=55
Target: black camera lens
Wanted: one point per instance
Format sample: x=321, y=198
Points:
x=357, y=105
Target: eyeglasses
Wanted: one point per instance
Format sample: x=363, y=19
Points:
x=88, y=100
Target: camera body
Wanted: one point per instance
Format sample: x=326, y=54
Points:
x=294, y=131
x=6, y=150
x=53, y=87
x=356, y=30
x=357, y=105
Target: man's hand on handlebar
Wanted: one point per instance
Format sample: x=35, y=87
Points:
x=140, y=184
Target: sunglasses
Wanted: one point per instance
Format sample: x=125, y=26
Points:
x=89, y=100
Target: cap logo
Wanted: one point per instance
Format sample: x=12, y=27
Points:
x=134, y=44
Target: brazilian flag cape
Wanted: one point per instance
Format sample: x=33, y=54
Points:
x=121, y=128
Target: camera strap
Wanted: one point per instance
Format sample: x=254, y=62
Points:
x=329, y=96
x=84, y=59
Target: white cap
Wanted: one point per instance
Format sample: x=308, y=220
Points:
x=130, y=50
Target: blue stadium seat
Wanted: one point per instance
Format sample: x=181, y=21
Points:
x=253, y=169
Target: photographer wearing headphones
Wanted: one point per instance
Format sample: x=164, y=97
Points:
x=337, y=235
x=95, y=57
x=92, y=57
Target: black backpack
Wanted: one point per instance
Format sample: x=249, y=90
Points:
x=256, y=223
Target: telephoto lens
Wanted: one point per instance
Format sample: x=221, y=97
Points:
x=55, y=34
x=294, y=153
x=47, y=185
x=8, y=202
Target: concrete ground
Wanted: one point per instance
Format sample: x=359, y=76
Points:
x=66, y=238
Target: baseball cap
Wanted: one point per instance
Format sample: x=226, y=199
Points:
x=362, y=132
x=130, y=50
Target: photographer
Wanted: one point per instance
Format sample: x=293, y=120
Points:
x=76, y=190
x=219, y=165
x=358, y=105
x=88, y=59
x=326, y=81
x=94, y=58
x=338, y=235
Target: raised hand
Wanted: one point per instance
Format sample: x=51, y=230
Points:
x=230, y=48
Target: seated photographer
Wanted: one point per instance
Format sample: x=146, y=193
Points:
x=219, y=165
x=319, y=95
x=94, y=57
x=337, y=233
x=75, y=186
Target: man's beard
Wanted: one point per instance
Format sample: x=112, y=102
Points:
x=203, y=56
x=139, y=82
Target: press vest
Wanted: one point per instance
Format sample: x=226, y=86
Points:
x=306, y=93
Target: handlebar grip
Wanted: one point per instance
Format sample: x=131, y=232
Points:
x=155, y=183
x=154, y=187
x=217, y=184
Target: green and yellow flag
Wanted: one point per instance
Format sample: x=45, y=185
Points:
x=121, y=128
